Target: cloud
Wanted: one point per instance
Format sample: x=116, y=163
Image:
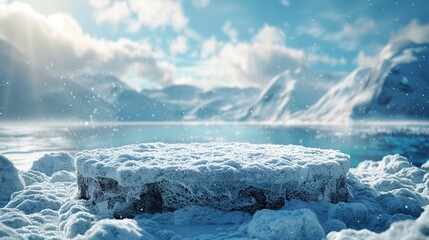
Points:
x=269, y=35
x=363, y=60
x=179, y=45
x=231, y=32
x=209, y=47
x=99, y=4
x=326, y=59
x=414, y=32
x=201, y=3
x=249, y=63
x=135, y=14
x=349, y=37
x=285, y=2
x=113, y=14
x=58, y=40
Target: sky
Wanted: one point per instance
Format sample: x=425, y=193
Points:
x=207, y=43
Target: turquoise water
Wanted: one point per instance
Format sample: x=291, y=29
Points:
x=24, y=143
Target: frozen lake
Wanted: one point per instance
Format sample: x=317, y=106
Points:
x=25, y=142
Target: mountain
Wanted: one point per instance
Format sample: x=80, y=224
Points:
x=395, y=87
x=289, y=92
x=29, y=92
x=225, y=104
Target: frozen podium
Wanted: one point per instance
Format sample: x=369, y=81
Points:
x=158, y=177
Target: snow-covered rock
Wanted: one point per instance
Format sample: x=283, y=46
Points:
x=299, y=224
x=10, y=181
x=54, y=162
x=159, y=177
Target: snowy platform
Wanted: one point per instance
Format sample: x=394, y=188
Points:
x=161, y=177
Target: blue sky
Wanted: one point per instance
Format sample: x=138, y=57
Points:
x=234, y=43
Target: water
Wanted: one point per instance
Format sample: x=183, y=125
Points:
x=24, y=143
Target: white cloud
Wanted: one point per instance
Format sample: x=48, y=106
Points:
x=230, y=31
x=136, y=14
x=269, y=35
x=250, y=63
x=60, y=40
x=201, y=3
x=209, y=47
x=179, y=45
x=99, y=4
x=348, y=38
x=363, y=60
x=326, y=59
x=113, y=14
x=414, y=32
x=285, y=2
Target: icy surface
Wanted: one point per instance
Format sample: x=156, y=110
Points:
x=387, y=200
x=231, y=176
x=10, y=181
x=54, y=162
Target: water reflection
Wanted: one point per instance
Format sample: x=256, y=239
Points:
x=25, y=143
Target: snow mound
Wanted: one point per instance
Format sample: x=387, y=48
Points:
x=76, y=217
x=160, y=177
x=298, y=224
x=10, y=181
x=38, y=197
x=7, y=233
x=31, y=177
x=54, y=162
x=115, y=229
x=62, y=176
x=396, y=176
x=408, y=229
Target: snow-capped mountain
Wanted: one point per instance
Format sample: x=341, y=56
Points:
x=288, y=93
x=395, y=87
x=28, y=91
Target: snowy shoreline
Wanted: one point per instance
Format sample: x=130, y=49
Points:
x=388, y=193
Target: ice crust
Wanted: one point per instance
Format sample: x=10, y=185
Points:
x=161, y=177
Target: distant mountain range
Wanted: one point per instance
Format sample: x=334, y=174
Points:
x=395, y=87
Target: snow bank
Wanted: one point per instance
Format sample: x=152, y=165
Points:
x=160, y=177
x=10, y=181
x=8, y=233
x=31, y=177
x=116, y=229
x=298, y=224
x=408, y=229
x=54, y=162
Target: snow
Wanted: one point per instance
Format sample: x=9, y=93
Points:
x=393, y=88
x=298, y=224
x=10, y=181
x=228, y=176
x=54, y=162
x=388, y=200
x=116, y=229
